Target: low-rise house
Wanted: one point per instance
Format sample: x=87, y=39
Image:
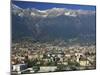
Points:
x=84, y=63
x=67, y=55
x=65, y=63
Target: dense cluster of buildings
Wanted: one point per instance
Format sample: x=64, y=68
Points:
x=46, y=57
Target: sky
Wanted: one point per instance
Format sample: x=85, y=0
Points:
x=44, y=6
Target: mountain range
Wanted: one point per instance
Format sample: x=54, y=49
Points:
x=52, y=24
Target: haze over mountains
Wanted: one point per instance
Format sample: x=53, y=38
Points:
x=53, y=24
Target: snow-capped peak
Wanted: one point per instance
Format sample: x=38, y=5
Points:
x=53, y=12
x=15, y=7
x=58, y=9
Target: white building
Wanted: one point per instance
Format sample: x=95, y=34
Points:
x=47, y=68
x=19, y=67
